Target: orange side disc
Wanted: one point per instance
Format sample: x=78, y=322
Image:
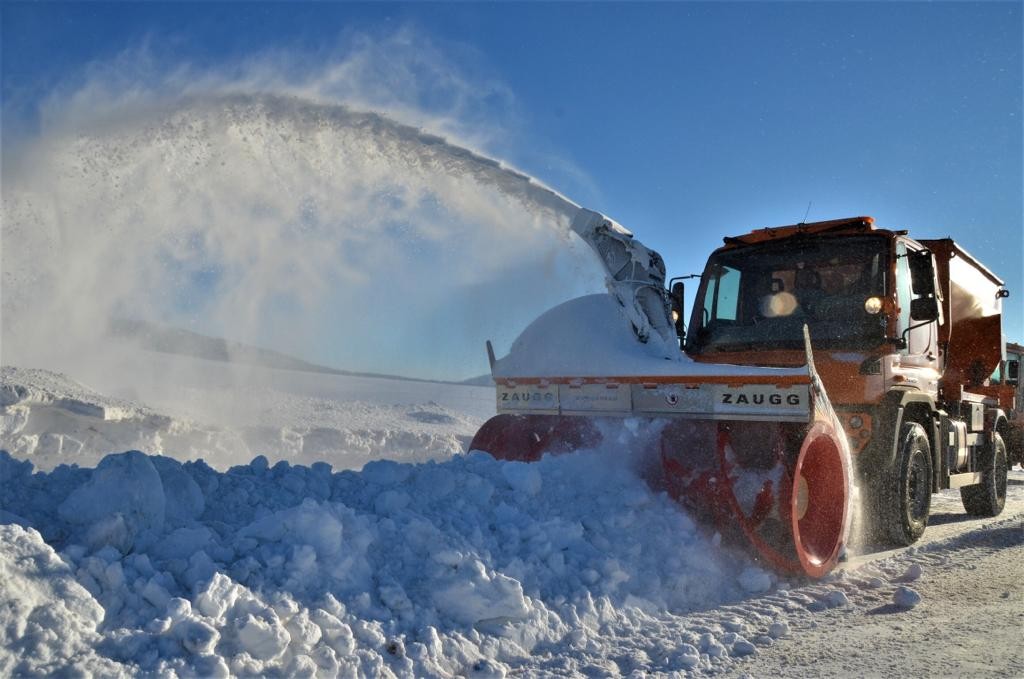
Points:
x=780, y=488
x=525, y=438
x=821, y=498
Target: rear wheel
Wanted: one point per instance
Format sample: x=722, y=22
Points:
x=988, y=497
x=907, y=490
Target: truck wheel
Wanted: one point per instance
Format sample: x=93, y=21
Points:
x=988, y=497
x=908, y=501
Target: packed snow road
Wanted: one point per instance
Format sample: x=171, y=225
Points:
x=459, y=566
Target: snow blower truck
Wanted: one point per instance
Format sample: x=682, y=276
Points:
x=821, y=361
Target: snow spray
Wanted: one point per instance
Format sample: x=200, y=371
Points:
x=337, y=235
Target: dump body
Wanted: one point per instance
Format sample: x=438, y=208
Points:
x=972, y=310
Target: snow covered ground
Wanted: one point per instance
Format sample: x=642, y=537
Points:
x=315, y=561
x=228, y=415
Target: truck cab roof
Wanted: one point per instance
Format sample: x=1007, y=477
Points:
x=851, y=225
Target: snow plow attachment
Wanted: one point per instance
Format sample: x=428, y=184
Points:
x=782, y=488
x=756, y=454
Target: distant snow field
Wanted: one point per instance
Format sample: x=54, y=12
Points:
x=261, y=532
x=207, y=413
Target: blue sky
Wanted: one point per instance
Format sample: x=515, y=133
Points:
x=686, y=122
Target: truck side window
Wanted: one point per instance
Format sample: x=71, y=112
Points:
x=727, y=287
x=903, y=291
x=920, y=339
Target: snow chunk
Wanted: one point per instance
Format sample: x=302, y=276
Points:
x=913, y=572
x=487, y=668
x=687, y=656
x=481, y=596
x=124, y=495
x=741, y=647
x=262, y=637
x=836, y=599
x=391, y=502
x=905, y=598
x=183, y=498
x=385, y=472
x=522, y=477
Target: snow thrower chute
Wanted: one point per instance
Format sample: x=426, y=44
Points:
x=756, y=453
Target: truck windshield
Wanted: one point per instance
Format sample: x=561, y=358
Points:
x=760, y=297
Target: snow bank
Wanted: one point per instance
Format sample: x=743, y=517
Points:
x=472, y=566
x=423, y=570
x=52, y=419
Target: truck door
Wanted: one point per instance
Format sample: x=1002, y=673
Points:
x=922, y=338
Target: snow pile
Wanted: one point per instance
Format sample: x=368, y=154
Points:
x=423, y=569
x=473, y=567
x=48, y=621
x=53, y=420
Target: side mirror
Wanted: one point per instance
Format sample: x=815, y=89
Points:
x=922, y=275
x=1013, y=372
x=924, y=309
x=678, y=295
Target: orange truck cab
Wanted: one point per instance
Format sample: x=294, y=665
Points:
x=906, y=336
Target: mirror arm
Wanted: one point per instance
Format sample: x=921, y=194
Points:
x=901, y=341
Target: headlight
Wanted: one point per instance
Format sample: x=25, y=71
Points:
x=856, y=422
x=675, y=316
x=872, y=305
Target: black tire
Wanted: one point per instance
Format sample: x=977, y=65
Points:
x=906, y=495
x=988, y=497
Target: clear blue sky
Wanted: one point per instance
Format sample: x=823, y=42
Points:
x=689, y=121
